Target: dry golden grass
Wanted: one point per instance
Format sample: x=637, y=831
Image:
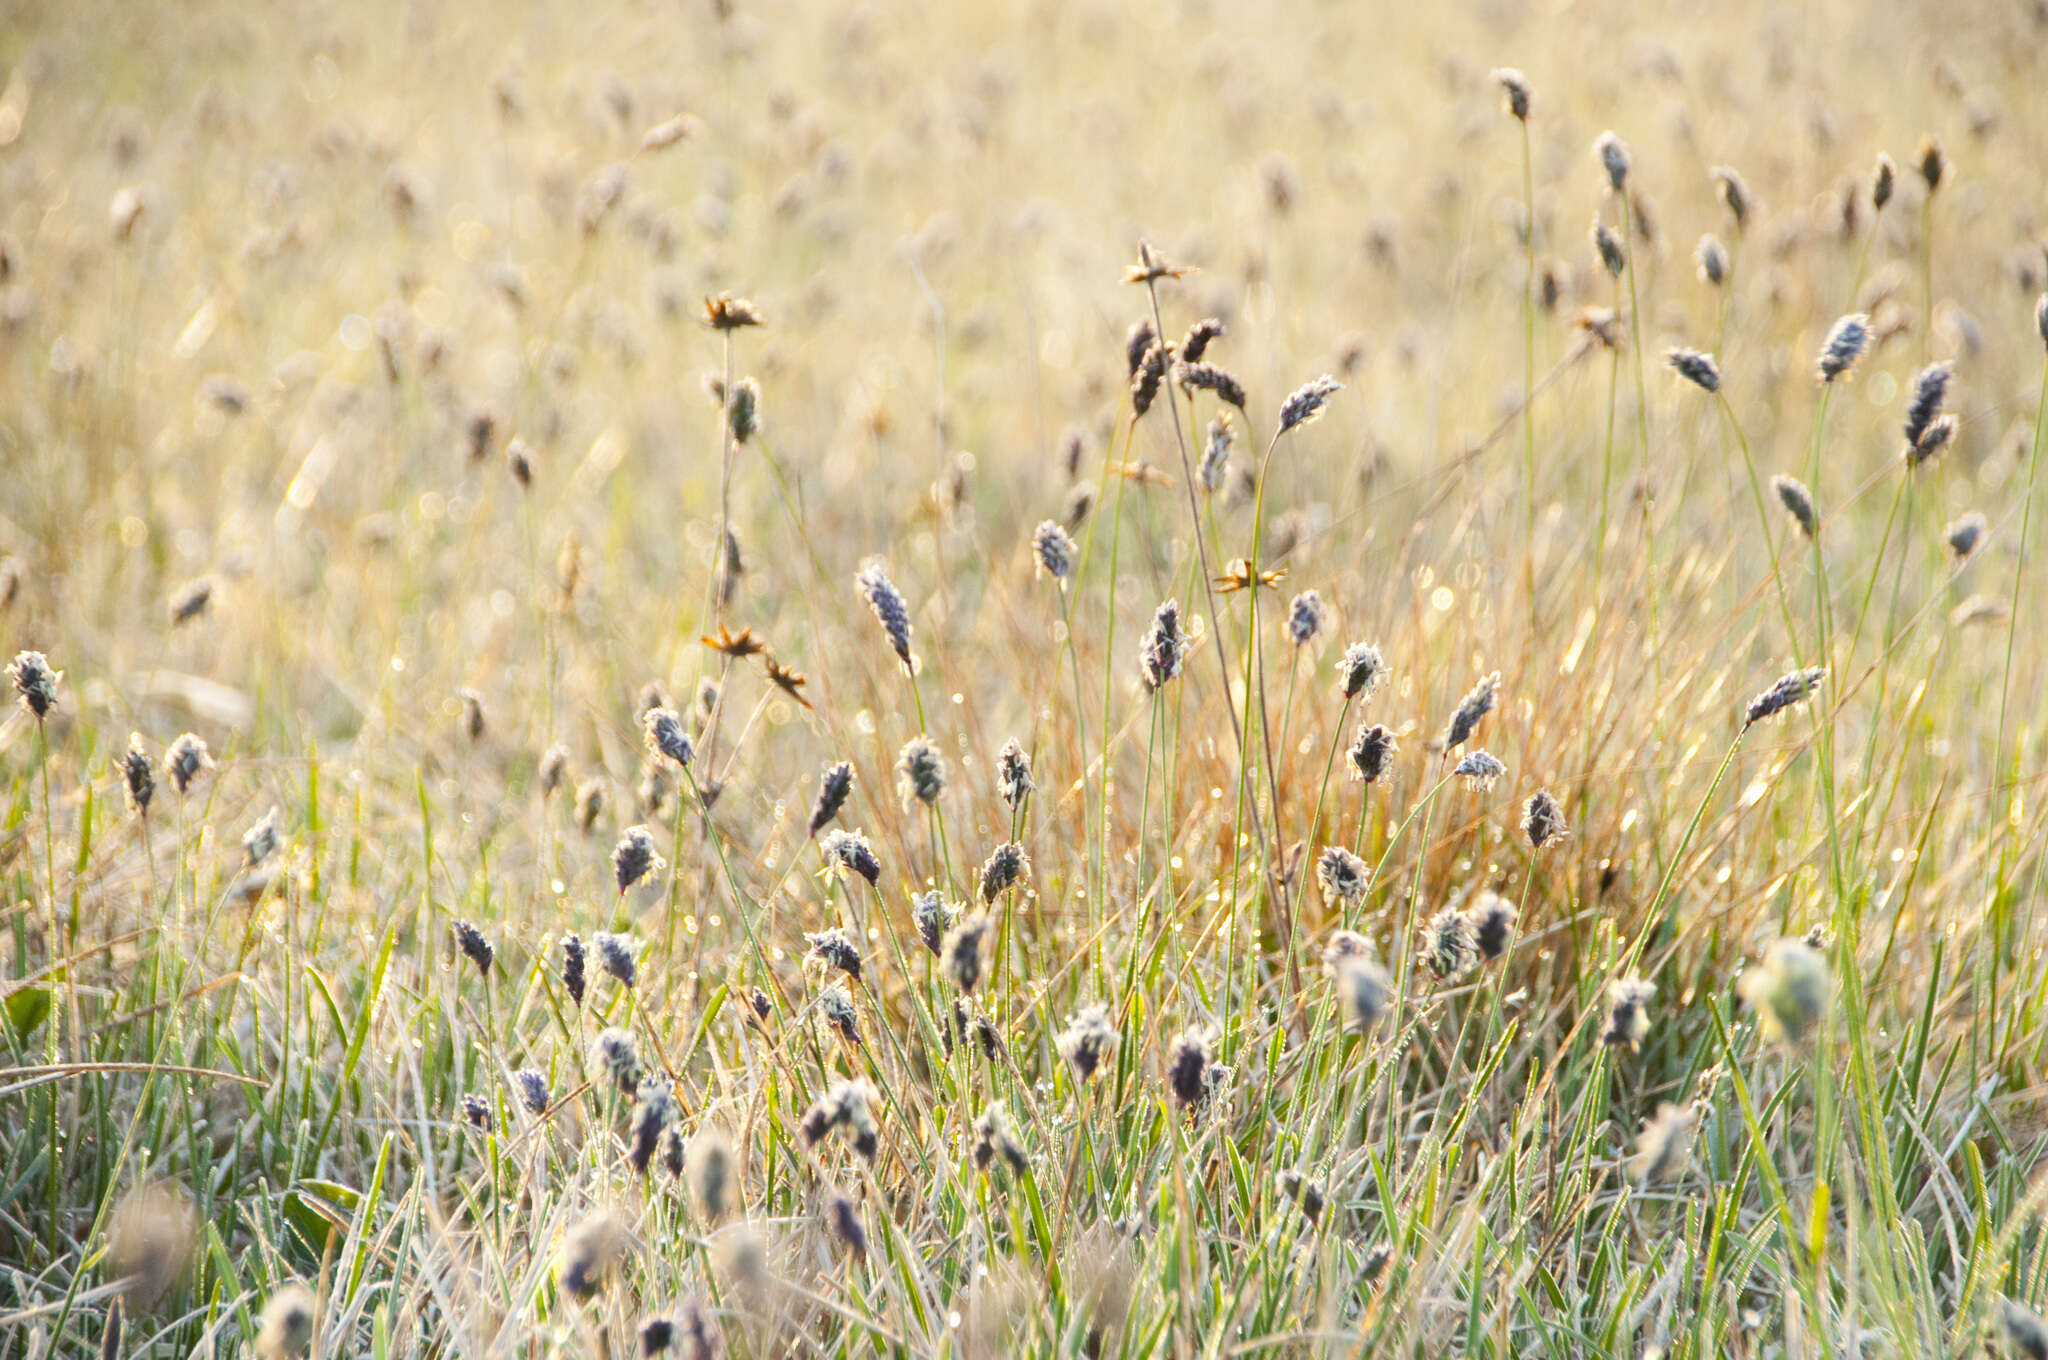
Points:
x=360, y=415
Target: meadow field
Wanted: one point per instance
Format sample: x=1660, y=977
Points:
x=1037, y=678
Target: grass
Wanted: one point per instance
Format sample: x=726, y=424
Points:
x=279, y=293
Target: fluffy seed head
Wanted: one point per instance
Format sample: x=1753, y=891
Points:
x=1613, y=159
x=1360, y=670
x=285, y=1328
x=138, y=775
x=1734, y=193
x=1931, y=164
x=1210, y=378
x=1187, y=1067
x=663, y=730
x=1372, y=751
x=1305, y=617
x=1628, y=1013
x=634, y=857
x=1696, y=368
x=573, y=967
x=835, y=1004
x=1448, y=946
x=1789, y=989
x=1884, y=176
x=961, y=951
x=743, y=410
x=1613, y=258
x=1196, y=342
x=1492, y=919
x=476, y=1112
x=1013, y=773
x=933, y=916
x=1788, y=691
x=1166, y=646
x=710, y=1170
x=887, y=604
x=474, y=947
x=1087, y=1040
x=1006, y=866
x=615, y=955
x=590, y=1251
x=1713, y=260
x=532, y=1089
x=1966, y=534
x=1474, y=706
x=35, y=683
x=835, y=949
x=1362, y=990
x=1145, y=381
x=1543, y=820
x=615, y=1054
x=1054, y=549
x=1215, y=467
x=1138, y=342
x=652, y=1116
x=920, y=771
x=1344, y=876
x=1307, y=402
x=1798, y=503
x=1930, y=391
x=1306, y=1194
x=995, y=1139
x=553, y=770
x=260, y=841
x=850, y=853
x=833, y=787
x=1846, y=342
x=590, y=800
x=1664, y=1147
x=1514, y=89
x=1480, y=770
x=844, y=1216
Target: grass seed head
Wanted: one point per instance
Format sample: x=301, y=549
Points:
x=35, y=683
x=1613, y=159
x=531, y=1086
x=1514, y=89
x=1013, y=774
x=1088, y=1038
x=589, y=1252
x=1448, y=946
x=833, y=788
x=662, y=729
x=1362, y=991
x=1930, y=391
x=1712, y=258
x=1006, y=866
x=1199, y=337
x=920, y=772
x=1360, y=670
x=1305, y=1194
x=476, y=1112
x=996, y=1141
x=1847, y=341
x=1372, y=751
x=1187, y=1067
x=1492, y=919
x=615, y=1054
x=652, y=1115
x=553, y=770
x=1305, y=616
x=1145, y=381
x=1628, y=1013
x=1054, y=548
x=1215, y=468
x=1788, y=691
x=711, y=1174
x=1789, y=990
x=615, y=954
x=190, y=600
x=933, y=916
x=1696, y=368
x=1210, y=378
x=850, y=853
x=1307, y=402
x=1734, y=194
x=1884, y=178
x=961, y=951
x=1344, y=876
x=573, y=967
x=138, y=775
x=1477, y=703
x=844, y=1216
x=634, y=857
x=1664, y=1147
x=835, y=949
x=889, y=610
x=1166, y=646
x=1543, y=820
x=150, y=1241
x=285, y=1328
x=1931, y=164
x=1480, y=770
x=1966, y=534
x=1607, y=245
x=1798, y=502
x=474, y=947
